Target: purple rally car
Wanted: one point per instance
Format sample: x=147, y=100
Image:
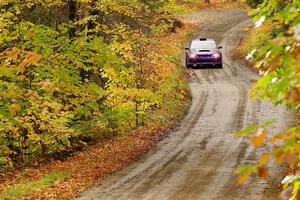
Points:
x=203, y=52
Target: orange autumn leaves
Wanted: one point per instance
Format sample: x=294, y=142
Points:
x=285, y=149
x=18, y=61
x=14, y=54
x=259, y=138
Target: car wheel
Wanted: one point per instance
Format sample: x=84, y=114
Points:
x=186, y=64
x=220, y=66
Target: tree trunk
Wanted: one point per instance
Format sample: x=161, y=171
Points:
x=72, y=16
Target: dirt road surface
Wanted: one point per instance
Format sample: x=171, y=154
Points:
x=197, y=161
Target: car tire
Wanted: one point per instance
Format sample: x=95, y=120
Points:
x=187, y=65
x=220, y=66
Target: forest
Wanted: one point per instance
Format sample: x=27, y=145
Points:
x=75, y=74
x=73, y=71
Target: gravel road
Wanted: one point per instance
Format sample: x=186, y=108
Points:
x=197, y=160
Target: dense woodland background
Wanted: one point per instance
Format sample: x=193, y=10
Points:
x=72, y=71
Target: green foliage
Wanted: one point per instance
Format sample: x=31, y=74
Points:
x=66, y=78
x=278, y=63
x=251, y=128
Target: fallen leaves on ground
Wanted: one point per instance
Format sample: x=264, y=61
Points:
x=89, y=166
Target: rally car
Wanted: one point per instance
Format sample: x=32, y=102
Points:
x=202, y=52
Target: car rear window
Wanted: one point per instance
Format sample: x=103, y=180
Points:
x=203, y=45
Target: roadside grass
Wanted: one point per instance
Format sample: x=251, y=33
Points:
x=64, y=179
x=28, y=187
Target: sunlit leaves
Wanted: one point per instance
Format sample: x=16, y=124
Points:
x=251, y=128
x=244, y=173
x=263, y=160
x=14, y=108
x=243, y=177
x=293, y=180
x=278, y=63
x=259, y=137
x=247, y=130
x=59, y=89
x=278, y=60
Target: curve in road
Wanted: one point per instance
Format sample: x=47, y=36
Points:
x=197, y=161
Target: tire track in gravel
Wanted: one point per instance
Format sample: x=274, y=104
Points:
x=239, y=118
x=196, y=113
x=197, y=160
x=199, y=113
